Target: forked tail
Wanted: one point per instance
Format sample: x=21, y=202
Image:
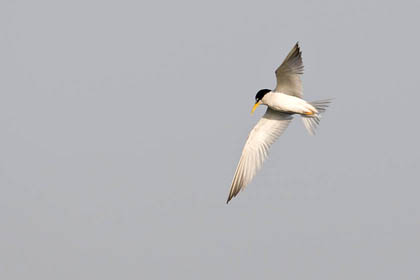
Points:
x=312, y=121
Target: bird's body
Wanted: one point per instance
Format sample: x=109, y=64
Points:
x=283, y=103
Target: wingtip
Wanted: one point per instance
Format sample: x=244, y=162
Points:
x=231, y=195
x=295, y=51
x=298, y=48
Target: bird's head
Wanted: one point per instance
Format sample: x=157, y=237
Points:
x=259, y=97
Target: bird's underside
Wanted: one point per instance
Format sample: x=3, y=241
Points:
x=282, y=103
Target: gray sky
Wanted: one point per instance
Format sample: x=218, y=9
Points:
x=122, y=123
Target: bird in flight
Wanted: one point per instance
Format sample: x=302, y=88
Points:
x=285, y=101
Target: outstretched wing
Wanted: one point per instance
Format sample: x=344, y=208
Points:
x=288, y=79
x=255, y=151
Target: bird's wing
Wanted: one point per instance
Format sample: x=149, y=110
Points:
x=255, y=151
x=288, y=79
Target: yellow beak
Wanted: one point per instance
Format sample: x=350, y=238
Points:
x=255, y=106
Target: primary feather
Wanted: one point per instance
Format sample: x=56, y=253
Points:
x=255, y=151
x=288, y=79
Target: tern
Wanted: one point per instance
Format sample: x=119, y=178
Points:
x=285, y=101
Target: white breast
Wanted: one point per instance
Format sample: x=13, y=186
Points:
x=286, y=103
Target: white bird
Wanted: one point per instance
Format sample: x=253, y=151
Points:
x=282, y=103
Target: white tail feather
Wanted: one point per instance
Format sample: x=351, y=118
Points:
x=312, y=121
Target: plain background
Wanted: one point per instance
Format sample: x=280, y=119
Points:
x=121, y=124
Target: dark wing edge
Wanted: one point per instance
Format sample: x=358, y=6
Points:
x=293, y=63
